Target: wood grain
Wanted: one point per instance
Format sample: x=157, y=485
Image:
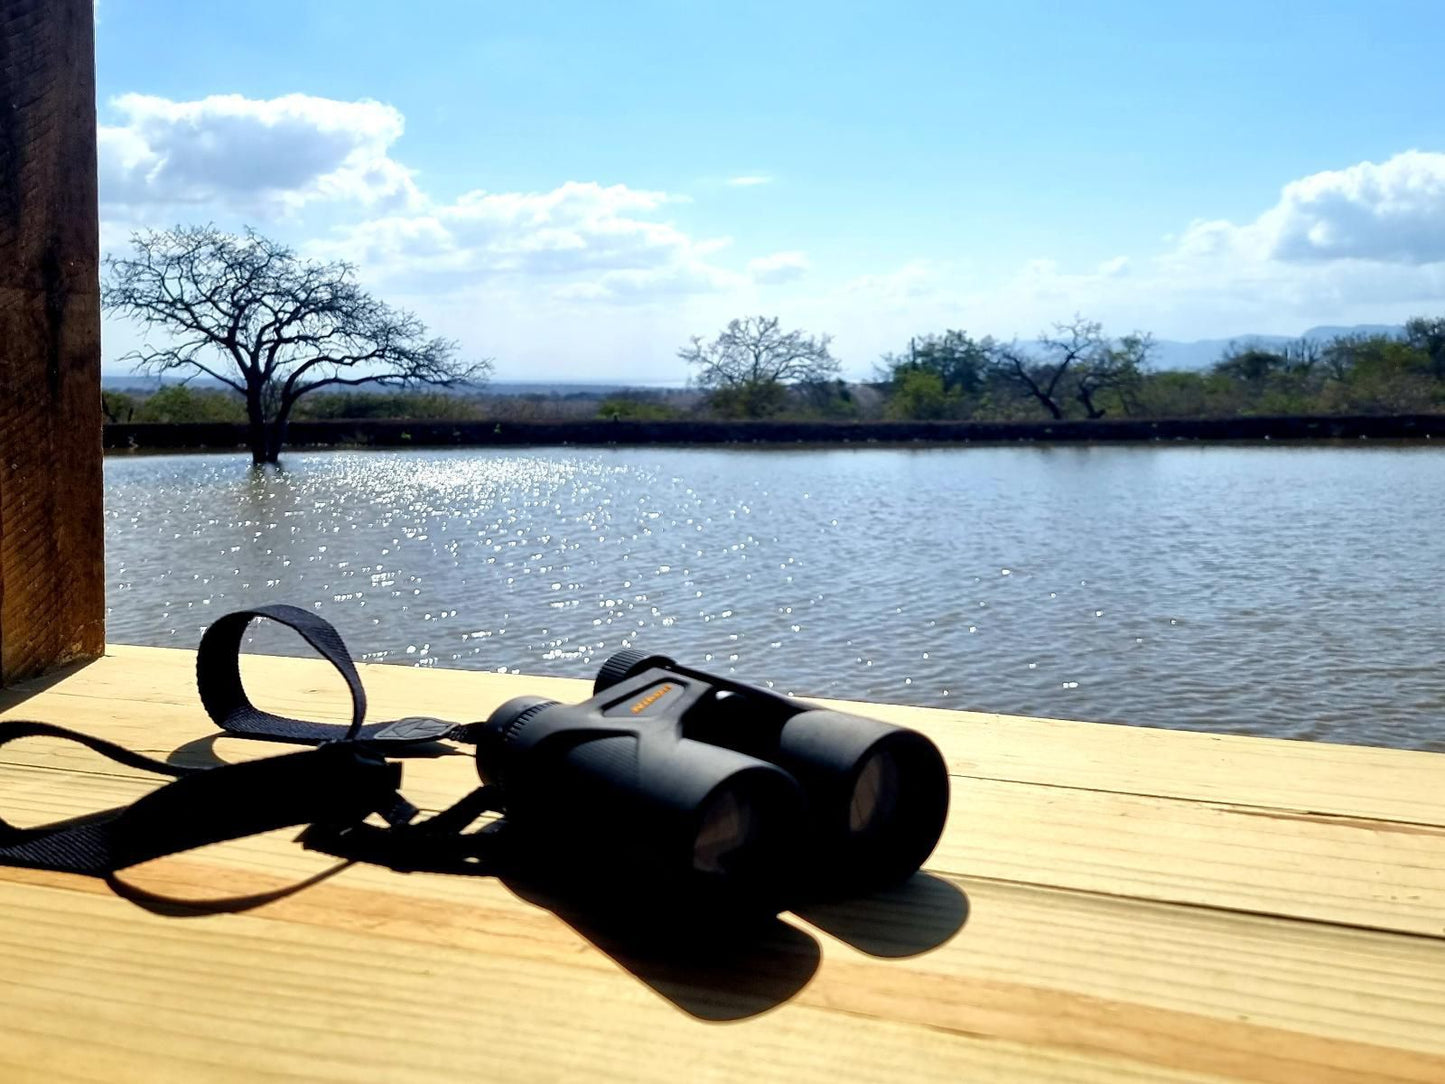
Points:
x=1292, y=776
x=1360, y=872
x=1106, y=934
x=52, y=579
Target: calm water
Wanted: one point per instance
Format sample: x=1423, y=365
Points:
x=1285, y=591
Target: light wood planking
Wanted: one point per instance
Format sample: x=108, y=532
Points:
x=1262, y=856
x=1369, y=873
x=1107, y=933
x=1054, y=971
x=1294, y=776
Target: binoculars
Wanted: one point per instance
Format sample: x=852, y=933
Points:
x=714, y=791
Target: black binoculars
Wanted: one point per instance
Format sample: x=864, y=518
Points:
x=714, y=790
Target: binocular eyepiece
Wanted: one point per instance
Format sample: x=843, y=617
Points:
x=714, y=790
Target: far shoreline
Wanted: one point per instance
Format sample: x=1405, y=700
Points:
x=501, y=433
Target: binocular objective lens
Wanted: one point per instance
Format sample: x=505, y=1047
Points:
x=875, y=795
x=726, y=829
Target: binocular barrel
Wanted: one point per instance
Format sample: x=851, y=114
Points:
x=690, y=821
x=877, y=794
x=717, y=789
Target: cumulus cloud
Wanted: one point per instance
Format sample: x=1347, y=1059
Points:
x=1362, y=244
x=298, y=157
x=1390, y=212
x=587, y=241
x=251, y=155
x=780, y=267
x=1365, y=243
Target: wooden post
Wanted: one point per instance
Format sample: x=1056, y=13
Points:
x=52, y=556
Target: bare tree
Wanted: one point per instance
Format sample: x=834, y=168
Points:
x=251, y=314
x=1043, y=376
x=746, y=367
x=1118, y=367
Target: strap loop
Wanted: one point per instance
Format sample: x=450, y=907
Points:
x=218, y=677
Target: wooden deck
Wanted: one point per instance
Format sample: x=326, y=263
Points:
x=1108, y=903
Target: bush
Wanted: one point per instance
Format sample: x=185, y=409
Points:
x=919, y=395
x=118, y=406
x=388, y=404
x=635, y=409
x=182, y=403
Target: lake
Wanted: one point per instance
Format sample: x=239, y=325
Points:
x=1288, y=591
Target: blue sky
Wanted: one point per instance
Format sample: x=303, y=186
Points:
x=557, y=184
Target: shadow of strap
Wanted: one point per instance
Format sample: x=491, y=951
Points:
x=439, y=844
x=159, y=904
x=24, y=728
x=337, y=783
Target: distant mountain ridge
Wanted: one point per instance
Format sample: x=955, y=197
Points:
x=1202, y=353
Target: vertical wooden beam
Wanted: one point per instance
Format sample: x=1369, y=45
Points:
x=52, y=554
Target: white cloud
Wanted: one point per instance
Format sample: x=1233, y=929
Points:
x=1390, y=212
x=316, y=161
x=1364, y=244
x=249, y=156
x=750, y=180
x=611, y=276
x=582, y=240
x=778, y=268
x=915, y=281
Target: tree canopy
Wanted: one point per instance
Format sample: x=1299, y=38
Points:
x=1075, y=360
x=746, y=369
x=250, y=313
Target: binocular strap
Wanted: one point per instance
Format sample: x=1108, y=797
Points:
x=218, y=677
x=336, y=784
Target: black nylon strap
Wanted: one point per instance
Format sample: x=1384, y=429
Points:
x=218, y=676
x=335, y=784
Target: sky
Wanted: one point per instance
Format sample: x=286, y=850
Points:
x=574, y=189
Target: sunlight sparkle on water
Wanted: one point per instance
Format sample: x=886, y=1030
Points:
x=1223, y=572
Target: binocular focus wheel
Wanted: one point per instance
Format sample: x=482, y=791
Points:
x=623, y=664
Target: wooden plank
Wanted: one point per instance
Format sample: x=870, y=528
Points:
x=1320, y=866
x=1294, y=776
x=52, y=578
x=1065, y=976
x=245, y=997
x=1330, y=981
x=367, y=974
x=1366, y=872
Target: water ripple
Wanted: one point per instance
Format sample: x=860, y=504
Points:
x=1271, y=590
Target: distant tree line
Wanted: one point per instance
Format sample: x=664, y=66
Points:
x=1072, y=371
x=188, y=403
x=309, y=328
